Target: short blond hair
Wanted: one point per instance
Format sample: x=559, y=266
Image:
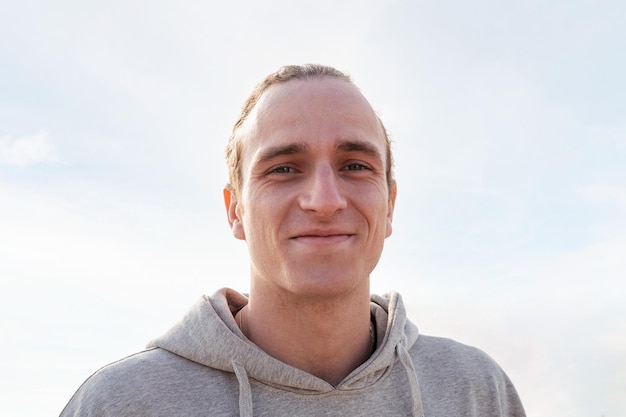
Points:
x=284, y=74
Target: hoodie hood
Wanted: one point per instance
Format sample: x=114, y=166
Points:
x=196, y=367
x=209, y=335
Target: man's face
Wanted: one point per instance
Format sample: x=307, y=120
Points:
x=314, y=207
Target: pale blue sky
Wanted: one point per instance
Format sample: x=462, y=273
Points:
x=510, y=138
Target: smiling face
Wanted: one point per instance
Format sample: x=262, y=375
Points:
x=314, y=207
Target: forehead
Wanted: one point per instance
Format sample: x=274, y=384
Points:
x=317, y=112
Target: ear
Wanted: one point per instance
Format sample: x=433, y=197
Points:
x=390, y=207
x=232, y=211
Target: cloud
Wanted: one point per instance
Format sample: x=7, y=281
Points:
x=27, y=150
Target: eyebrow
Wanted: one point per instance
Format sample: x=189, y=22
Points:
x=301, y=148
x=360, y=146
x=276, y=151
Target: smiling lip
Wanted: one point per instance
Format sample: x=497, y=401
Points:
x=322, y=238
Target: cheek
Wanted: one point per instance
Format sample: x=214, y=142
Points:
x=258, y=218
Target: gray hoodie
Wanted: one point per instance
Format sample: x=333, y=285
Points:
x=204, y=366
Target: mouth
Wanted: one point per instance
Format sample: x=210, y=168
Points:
x=322, y=238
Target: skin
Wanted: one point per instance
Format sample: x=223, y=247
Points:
x=314, y=210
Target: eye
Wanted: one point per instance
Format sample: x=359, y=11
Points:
x=355, y=167
x=281, y=170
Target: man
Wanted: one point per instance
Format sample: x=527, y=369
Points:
x=312, y=193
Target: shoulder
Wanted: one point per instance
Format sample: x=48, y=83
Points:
x=463, y=376
x=143, y=385
x=139, y=368
x=107, y=391
x=448, y=351
x=449, y=358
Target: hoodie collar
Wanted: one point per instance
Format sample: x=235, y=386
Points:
x=209, y=335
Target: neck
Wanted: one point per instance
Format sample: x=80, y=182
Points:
x=328, y=338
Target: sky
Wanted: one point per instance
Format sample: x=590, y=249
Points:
x=509, y=129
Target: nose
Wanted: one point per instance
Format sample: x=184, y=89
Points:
x=322, y=193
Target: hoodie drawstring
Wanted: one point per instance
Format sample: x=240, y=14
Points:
x=245, y=392
x=407, y=363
